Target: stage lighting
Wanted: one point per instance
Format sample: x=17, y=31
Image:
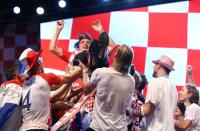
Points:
x=16, y=10
x=40, y=10
x=62, y=3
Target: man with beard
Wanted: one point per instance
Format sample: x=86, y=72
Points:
x=37, y=89
x=161, y=99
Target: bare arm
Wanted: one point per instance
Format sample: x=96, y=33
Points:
x=53, y=44
x=147, y=108
x=87, y=86
x=141, y=110
x=56, y=94
x=184, y=124
x=85, y=70
x=70, y=77
x=190, y=75
x=74, y=73
x=61, y=105
x=97, y=26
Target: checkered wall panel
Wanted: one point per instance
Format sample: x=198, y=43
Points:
x=14, y=38
x=172, y=29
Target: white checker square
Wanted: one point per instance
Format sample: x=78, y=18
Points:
x=9, y=53
x=71, y=45
x=176, y=7
x=129, y=28
x=55, y=71
x=193, y=33
x=47, y=29
x=20, y=40
x=179, y=56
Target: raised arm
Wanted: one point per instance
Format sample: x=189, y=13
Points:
x=74, y=73
x=191, y=79
x=97, y=26
x=53, y=44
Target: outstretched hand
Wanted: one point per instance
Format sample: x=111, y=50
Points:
x=189, y=69
x=60, y=24
x=96, y=25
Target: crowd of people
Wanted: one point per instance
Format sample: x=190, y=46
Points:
x=100, y=72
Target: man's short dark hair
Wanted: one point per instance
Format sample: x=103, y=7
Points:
x=11, y=72
x=182, y=107
x=83, y=57
x=82, y=36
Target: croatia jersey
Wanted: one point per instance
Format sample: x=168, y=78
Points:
x=36, y=101
x=10, y=109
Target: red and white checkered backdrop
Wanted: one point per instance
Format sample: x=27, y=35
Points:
x=172, y=29
x=14, y=38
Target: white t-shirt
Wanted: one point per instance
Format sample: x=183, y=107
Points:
x=192, y=113
x=36, y=101
x=113, y=96
x=164, y=96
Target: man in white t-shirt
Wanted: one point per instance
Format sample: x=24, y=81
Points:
x=114, y=88
x=161, y=98
x=10, y=99
x=190, y=96
x=36, y=90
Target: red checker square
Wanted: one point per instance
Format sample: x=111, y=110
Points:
x=32, y=38
x=139, y=58
x=142, y=9
x=83, y=24
x=21, y=28
x=168, y=30
x=179, y=88
x=194, y=6
x=1, y=54
x=193, y=59
x=49, y=59
x=145, y=91
x=9, y=41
